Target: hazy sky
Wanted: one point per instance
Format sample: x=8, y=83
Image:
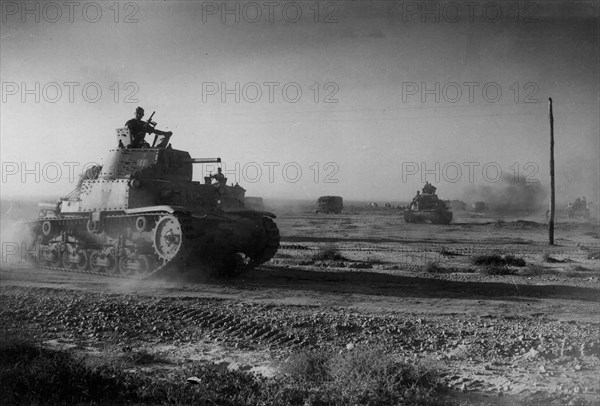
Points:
x=390, y=91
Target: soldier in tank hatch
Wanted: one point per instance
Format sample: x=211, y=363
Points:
x=219, y=177
x=138, y=130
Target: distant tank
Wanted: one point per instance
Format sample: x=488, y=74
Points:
x=427, y=208
x=329, y=204
x=479, y=207
x=141, y=212
x=578, y=209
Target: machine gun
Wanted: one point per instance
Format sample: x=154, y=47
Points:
x=149, y=122
x=160, y=141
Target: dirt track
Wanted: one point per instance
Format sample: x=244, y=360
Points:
x=532, y=335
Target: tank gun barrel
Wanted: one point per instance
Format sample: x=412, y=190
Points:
x=205, y=160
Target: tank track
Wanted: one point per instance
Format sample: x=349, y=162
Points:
x=432, y=216
x=272, y=243
x=71, y=237
x=67, y=233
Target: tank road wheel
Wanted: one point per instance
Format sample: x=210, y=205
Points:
x=131, y=265
x=101, y=262
x=142, y=224
x=94, y=262
x=51, y=256
x=112, y=266
x=145, y=265
x=46, y=228
x=124, y=266
x=82, y=260
x=168, y=238
x=65, y=260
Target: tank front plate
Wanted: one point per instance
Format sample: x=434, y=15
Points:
x=104, y=195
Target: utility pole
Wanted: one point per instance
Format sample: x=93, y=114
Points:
x=551, y=222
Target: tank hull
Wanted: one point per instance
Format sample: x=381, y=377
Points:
x=428, y=216
x=578, y=213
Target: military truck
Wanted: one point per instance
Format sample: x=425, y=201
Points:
x=329, y=204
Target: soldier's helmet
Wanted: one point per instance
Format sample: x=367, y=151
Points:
x=139, y=110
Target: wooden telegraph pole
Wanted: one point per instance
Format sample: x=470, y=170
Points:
x=551, y=222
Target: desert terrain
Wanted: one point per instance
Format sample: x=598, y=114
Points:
x=523, y=333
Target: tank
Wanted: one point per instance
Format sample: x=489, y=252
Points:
x=141, y=212
x=479, y=207
x=578, y=209
x=427, y=208
x=329, y=204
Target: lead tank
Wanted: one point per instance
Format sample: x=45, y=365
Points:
x=141, y=212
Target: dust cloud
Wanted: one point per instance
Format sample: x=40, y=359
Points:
x=510, y=194
x=15, y=237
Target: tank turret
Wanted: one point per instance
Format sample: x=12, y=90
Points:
x=141, y=212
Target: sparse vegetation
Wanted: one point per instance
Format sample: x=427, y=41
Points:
x=580, y=271
x=497, y=270
x=33, y=375
x=511, y=260
x=140, y=357
x=363, y=376
x=493, y=259
x=329, y=253
x=575, y=271
x=433, y=267
x=448, y=253
x=497, y=261
x=550, y=259
x=532, y=270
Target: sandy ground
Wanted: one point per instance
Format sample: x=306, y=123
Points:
x=531, y=336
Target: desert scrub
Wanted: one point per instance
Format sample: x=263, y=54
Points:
x=511, y=260
x=328, y=252
x=361, y=376
x=448, y=253
x=30, y=374
x=532, y=270
x=433, y=267
x=307, y=366
x=140, y=357
x=497, y=270
x=495, y=261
